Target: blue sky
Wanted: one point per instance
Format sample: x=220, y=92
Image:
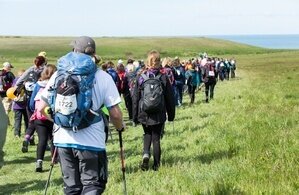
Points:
x=148, y=18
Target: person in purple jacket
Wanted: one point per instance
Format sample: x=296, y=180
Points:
x=19, y=108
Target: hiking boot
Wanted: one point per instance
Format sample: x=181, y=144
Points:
x=207, y=100
x=145, y=162
x=32, y=142
x=155, y=167
x=25, y=146
x=39, y=166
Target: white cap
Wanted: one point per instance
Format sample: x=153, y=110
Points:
x=136, y=63
x=119, y=61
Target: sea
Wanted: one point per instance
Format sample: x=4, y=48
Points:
x=266, y=41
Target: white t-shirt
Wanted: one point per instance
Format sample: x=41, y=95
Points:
x=92, y=137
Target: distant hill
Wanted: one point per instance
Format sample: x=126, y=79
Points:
x=24, y=49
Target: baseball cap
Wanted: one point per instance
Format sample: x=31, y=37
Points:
x=120, y=61
x=7, y=64
x=84, y=44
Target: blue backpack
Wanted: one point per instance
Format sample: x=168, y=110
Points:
x=70, y=98
x=114, y=75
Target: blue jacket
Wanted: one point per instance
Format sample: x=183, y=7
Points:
x=180, y=76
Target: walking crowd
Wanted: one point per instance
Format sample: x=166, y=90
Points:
x=64, y=105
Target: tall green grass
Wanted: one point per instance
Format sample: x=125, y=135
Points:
x=245, y=141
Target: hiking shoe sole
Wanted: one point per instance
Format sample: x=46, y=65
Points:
x=145, y=164
x=25, y=147
x=39, y=166
x=32, y=142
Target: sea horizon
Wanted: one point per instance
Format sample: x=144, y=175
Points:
x=270, y=41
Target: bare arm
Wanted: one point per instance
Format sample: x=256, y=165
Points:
x=24, y=76
x=41, y=109
x=116, y=117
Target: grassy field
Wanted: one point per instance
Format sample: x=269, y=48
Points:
x=245, y=141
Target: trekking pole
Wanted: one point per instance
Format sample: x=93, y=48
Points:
x=122, y=162
x=52, y=165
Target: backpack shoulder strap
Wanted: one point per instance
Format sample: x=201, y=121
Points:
x=144, y=76
x=158, y=76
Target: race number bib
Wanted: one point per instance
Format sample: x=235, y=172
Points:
x=66, y=104
x=211, y=73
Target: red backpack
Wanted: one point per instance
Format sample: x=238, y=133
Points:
x=120, y=83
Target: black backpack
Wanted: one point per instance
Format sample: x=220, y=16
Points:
x=152, y=98
x=3, y=84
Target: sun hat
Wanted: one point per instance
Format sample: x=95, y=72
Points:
x=84, y=44
x=7, y=65
x=42, y=53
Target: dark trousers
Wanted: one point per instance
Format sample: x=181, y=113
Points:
x=19, y=115
x=191, y=91
x=152, y=135
x=179, y=90
x=209, y=88
x=84, y=172
x=44, y=130
x=31, y=127
x=232, y=73
x=227, y=74
x=128, y=102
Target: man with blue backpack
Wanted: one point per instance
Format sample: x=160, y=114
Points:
x=75, y=94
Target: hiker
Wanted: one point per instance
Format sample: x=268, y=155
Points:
x=43, y=126
x=121, y=75
x=168, y=70
x=112, y=72
x=188, y=65
x=81, y=143
x=233, y=68
x=221, y=70
x=128, y=83
x=19, y=108
x=179, y=78
x=6, y=81
x=154, y=86
x=208, y=73
x=192, y=81
x=3, y=130
x=27, y=82
x=227, y=68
